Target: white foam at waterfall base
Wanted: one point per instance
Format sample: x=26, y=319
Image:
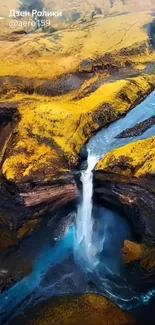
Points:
x=85, y=251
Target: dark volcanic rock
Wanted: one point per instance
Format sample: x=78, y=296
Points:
x=9, y=116
x=138, y=129
x=8, y=112
x=86, y=66
x=51, y=87
x=136, y=199
x=151, y=33
x=6, y=280
x=61, y=86
x=57, y=193
x=10, y=278
x=23, y=205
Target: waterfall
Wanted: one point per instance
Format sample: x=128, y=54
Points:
x=84, y=249
x=87, y=247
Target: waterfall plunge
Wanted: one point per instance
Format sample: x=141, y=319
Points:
x=84, y=249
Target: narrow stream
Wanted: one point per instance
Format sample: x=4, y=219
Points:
x=89, y=256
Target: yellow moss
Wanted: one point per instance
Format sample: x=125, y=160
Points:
x=140, y=67
x=51, y=133
x=109, y=93
x=139, y=157
x=27, y=228
x=92, y=309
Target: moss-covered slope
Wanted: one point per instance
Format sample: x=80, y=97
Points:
x=51, y=133
x=136, y=159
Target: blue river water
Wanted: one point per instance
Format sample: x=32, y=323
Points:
x=105, y=140
x=48, y=258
